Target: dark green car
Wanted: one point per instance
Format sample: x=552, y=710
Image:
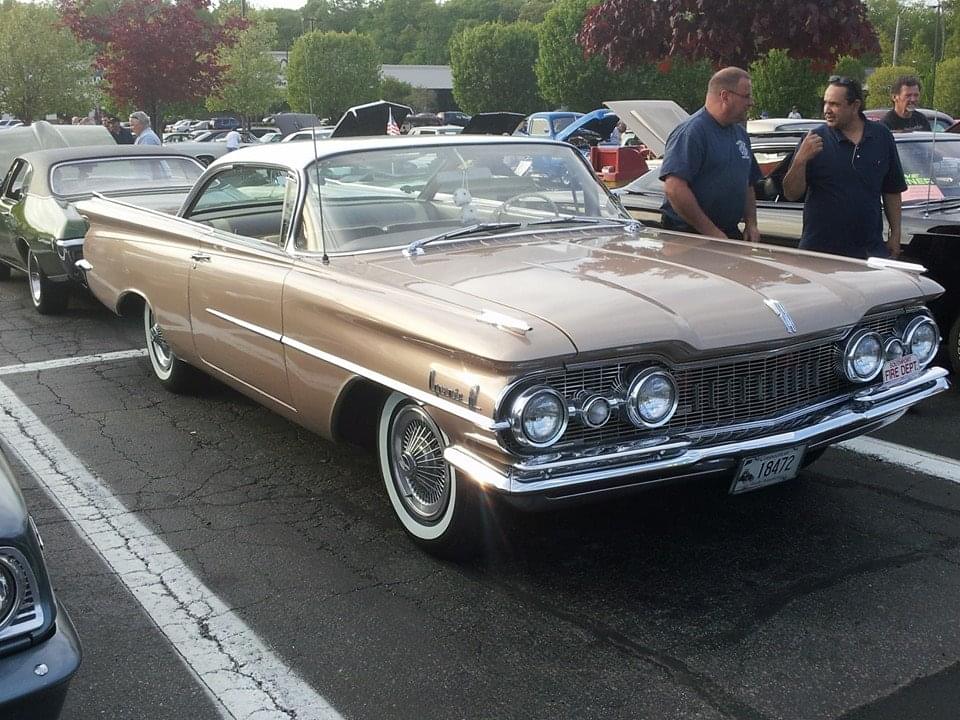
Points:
x=41, y=232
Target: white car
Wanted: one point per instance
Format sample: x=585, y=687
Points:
x=321, y=132
x=436, y=130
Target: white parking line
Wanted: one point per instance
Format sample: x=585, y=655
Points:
x=69, y=362
x=236, y=667
x=916, y=460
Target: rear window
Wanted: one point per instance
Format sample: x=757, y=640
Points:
x=123, y=174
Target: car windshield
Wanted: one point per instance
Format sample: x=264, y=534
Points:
x=123, y=174
x=391, y=197
x=931, y=167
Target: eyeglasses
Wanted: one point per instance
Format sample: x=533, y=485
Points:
x=842, y=81
x=745, y=97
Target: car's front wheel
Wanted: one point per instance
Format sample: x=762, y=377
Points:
x=435, y=507
x=953, y=345
x=173, y=373
x=49, y=298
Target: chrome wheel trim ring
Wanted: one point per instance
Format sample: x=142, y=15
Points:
x=417, y=468
x=33, y=273
x=160, y=353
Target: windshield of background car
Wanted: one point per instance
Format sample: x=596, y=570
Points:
x=123, y=174
x=392, y=196
x=932, y=169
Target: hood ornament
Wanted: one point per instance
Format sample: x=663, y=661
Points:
x=781, y=312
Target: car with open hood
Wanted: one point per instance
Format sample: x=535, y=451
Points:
x=503, y=335
x=41, y=232
x=39, y=647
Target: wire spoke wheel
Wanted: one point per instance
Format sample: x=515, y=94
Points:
x=419, y=471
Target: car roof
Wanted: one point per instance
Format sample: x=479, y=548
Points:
x=301, y=155
x=46, y=158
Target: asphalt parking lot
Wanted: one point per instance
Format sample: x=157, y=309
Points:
x=219, y=561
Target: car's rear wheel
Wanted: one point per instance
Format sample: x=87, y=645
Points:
x=173, y=373
x=953, y=345
x=49, y=298
x=436, y=508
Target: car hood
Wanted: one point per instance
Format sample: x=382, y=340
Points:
x=41, y=135
x=607, y=290
x=493, y=123
x=650, y=120
x=601, y=122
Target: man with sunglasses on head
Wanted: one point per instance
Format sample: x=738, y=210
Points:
x=842, y=170
x=708, y=169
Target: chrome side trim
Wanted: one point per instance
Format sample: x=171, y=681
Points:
x=246, y=325
x=871, y=410
x=84, y=265
x=421, y=396
x=73, y=242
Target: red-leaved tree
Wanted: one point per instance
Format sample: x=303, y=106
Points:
x=726, y=32
x=151, y=52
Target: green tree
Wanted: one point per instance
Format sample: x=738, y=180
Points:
x=331, y=71
x=399, y=25
x=683, y=81
x=289, y=26
x=44, y=69
x=395, y=90
x=563, y=76
x=850, y=67
x=780, y=82
x=947, y=97
x=492, y=66
x=879, y=84
x=250, y=81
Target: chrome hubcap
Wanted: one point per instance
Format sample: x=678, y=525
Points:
x=34, y=274
x=419, y=471
x=158, y=346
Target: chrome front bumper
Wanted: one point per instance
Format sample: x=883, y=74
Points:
x=668, y=459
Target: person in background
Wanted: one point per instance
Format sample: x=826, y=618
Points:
x=708, y=167
x=119, y=132
x=233, y=140
x=842, y=170
x=904, y=115
x=616, y=134
x=140, y=126
x=794, y=113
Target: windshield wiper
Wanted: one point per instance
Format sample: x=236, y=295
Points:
x=416, y=247
x=629, y=224
x=939, y=203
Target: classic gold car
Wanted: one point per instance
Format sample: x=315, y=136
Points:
x=485, y=312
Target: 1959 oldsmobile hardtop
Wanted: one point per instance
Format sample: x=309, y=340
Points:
x=504, y=331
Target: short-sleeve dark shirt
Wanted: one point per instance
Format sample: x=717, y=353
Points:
x=915, y=121
x=842, y=212
x=718, y=165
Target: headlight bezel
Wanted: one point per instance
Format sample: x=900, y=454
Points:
x=631, y=404
x=849, y=353
x=520, y=403
x=14, y=589
x=910, y=330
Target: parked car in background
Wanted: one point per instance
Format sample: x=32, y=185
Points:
x=178, y=126
x=320, y=133
x=547, y=124
x=780, y=125
x=176, y=137
x=939, y=121
x=453, y=117
x=437, y=130
x=416, y=293
x=41, y=232
x=224, y=123
x=419, y=120
x=259, y=131
x=39, y=647
x=10, y=123
x=271, y=137
x=930, y=216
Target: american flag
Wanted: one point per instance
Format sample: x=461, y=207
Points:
x=392, y=127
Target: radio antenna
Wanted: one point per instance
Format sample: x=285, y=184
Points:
x=324, y=258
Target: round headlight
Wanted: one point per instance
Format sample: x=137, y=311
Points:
x=652, y=398
x=8, y=593
x=595, y=411
x=892, y=349
x=863, y=357
x=922, y=338
x=538, y=416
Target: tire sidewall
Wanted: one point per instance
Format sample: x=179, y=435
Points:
x=163, y=374
x=953, y=345
x=434, y=532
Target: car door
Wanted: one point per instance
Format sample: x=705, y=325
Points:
x=236, y=282
x=13, y=191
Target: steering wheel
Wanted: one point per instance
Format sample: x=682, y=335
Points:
x=532, y=196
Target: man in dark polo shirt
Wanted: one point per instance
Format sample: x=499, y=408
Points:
x=841, y=170
x=905, y=116
x=708, y=170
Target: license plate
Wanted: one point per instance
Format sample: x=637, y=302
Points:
x=905, y=368
x=762, y=470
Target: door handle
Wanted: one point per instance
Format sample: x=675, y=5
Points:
x=200, y=257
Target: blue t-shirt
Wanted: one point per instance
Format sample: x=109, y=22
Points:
x=717, y=164
x=842, y=212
